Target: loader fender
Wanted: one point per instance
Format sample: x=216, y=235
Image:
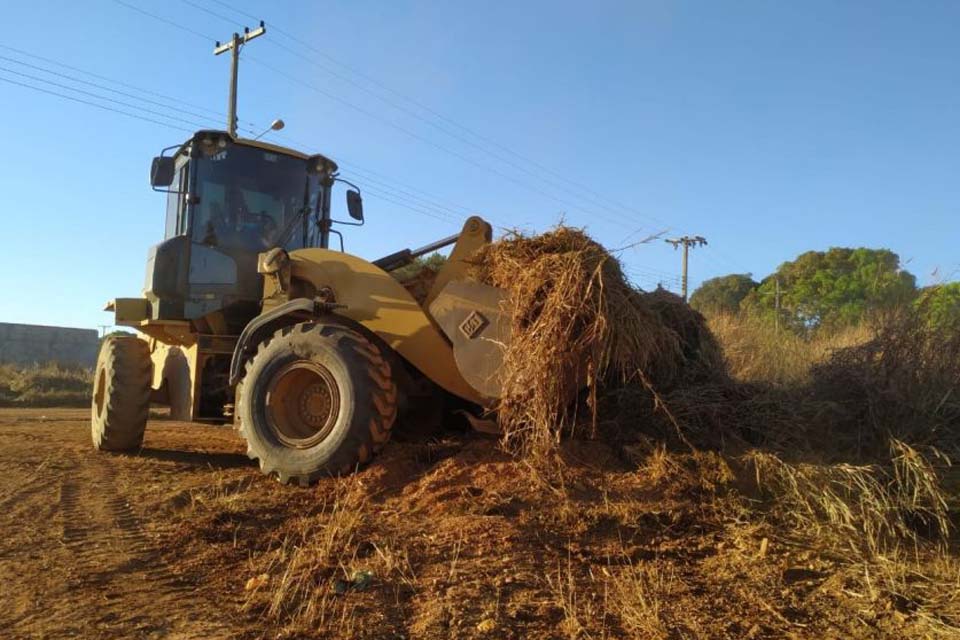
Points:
x=296, y=310
x=372, y=298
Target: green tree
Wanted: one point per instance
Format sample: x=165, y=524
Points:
x=723, y=294
x=434, y=262
x=940, y=304
x=835, y=287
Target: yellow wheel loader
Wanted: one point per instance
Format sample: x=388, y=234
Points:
x=249, y=316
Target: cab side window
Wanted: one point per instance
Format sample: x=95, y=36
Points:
x=176, y=223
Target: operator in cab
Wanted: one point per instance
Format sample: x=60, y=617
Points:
x=232, y=224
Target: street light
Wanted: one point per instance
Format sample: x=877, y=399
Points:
x=276, y=125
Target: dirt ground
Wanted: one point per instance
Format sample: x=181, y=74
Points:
x=186, y=540
x=80, y=555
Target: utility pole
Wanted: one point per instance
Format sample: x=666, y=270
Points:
x=103, y=329
x=686, y=242
x=236, y=42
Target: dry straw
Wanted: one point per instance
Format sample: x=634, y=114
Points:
x=578, y=324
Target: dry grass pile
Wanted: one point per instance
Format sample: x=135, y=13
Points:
x=889, y=526
x=703, y=359
x=576, y=321
x=44, y=385
x=904, y=383
x=866, y=510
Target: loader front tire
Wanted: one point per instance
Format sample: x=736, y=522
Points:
x=316, y=400
x=121, y=394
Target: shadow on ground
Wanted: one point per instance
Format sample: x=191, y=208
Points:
x=198, y=458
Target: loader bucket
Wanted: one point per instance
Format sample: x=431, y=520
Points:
x=475, y=318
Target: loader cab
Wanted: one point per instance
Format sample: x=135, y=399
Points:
x=228, y=200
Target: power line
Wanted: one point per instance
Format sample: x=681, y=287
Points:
x=384, y=183
x=338, y=99
x=439, y=202
x=403, y=195
x=672, y=281
x=400, y=200
x=346, y=103
x=165, y=21
x=654, y=273
x=413, y=134
x=119, y=83
x=102, y=87
x=426, y=208
x=94, y=104
x=561, y=185
x=385, y=195
x=653, y=282
x=730, y=261
x=389, y=198
x=100, y=97
x=414, y=198
x=563, y=177
x=223, y=17
x=372, y=176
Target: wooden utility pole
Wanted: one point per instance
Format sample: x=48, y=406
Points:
x=686, y=242
x=236, y=42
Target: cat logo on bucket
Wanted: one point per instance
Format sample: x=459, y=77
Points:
x=473, y=325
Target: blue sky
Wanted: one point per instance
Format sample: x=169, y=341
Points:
x=770, y=128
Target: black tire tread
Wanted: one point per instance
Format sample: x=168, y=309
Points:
x=384, y=396
x=128, y=369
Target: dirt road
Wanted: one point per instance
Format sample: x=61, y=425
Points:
x=79, y=555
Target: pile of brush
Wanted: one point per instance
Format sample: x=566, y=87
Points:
x=577, y=323
x=903, y=383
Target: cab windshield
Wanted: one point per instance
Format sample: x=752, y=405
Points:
x=251, y=199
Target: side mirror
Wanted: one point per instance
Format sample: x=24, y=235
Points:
x=355, y=205
x=162, y=171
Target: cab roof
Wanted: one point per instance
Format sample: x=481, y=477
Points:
x=268, y=146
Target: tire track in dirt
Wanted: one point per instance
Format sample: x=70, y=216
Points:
x=115, y=562
x=130, y=530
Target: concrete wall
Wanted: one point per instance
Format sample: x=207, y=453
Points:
x=30, y=343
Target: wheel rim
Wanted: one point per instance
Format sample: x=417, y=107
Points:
x=100, y=395
x=302, y=404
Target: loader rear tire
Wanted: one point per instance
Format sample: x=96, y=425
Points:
x=316, y=400
x=121, y=394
